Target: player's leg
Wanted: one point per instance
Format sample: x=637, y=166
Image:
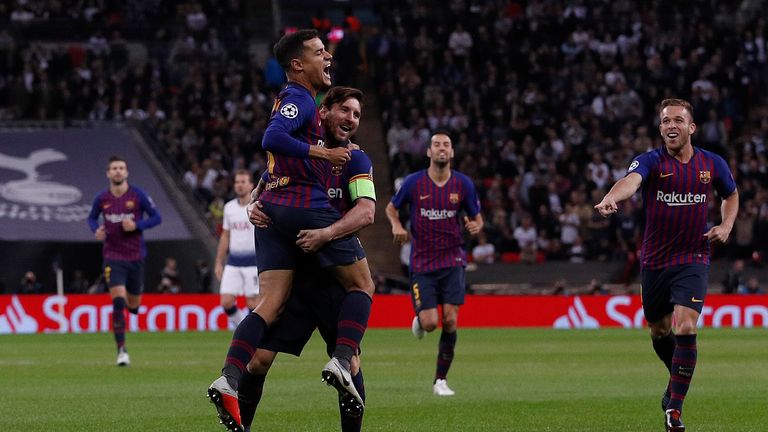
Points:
x=115, y=276
x=451, y=289
x=351, y=423
x=424, y=289
x=230, y=287
x=445, y=350
x=251, y=286
x=252, y=385
x=351, y=324
x=134, y=285
x=655, y=294
x=688, y=290
x=275, y=289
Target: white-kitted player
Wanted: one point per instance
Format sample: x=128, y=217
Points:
x=236, y=254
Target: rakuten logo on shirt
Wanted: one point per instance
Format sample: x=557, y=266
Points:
x=433, y=214
x=675, y=199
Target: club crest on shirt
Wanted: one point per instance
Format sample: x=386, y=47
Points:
x=289, y=111
x=336, y=170
x=705, y=177
x=129, y=205
x=453, y=198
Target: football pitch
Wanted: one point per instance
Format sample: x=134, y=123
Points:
x=505, y=380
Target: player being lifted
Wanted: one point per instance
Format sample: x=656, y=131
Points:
x=296, y=199
x=436, y=196
x=123, y=208
x=316, y=296
x=678, y=181
x=238, y=275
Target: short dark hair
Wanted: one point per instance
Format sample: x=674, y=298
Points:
x=115, y=158
x=340, y=94
x=245, y=172
x=677, y=102
x=291, y=45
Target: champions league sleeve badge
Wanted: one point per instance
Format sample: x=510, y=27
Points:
x=289, y=111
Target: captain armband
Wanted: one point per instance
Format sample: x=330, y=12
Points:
x=361, y=186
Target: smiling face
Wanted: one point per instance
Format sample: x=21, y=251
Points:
x=342, y=119
x=117, y=172
x=676, y=127
x=440, y=151
x=315, y=64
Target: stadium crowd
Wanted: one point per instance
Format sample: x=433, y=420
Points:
x=547, y=101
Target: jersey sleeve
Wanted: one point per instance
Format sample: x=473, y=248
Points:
x=225, y=223
x=288, y=115
x=403, y=195
x=642, y=164
x=360, y=183
x=471, y=201
x=93, y=216
x=724, y=183
x=153, y=215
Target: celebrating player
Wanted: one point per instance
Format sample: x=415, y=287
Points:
x=123, y=208
x=296, y=199
x=677, y=183
x=436, y=195
x=316, y=296
x=239, y=276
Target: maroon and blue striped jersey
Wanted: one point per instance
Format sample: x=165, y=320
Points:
x=120, y=245
x=295, y=180
x=676, y=197
x=343, y=179
x=436, y=227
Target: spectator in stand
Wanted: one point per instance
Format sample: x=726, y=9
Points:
x=734, y=279
x=484, y=252
x=170, y=283
x=29, y=284
x=752, y=287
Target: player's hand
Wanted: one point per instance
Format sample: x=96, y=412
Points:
x=399, y=235
x=100, y=233
x=607, y=207
x=352, y=146
x=219, y=271
x=471, y=225
x=257, y=217
x=314, y=239
x=717, y=234
x=338, y=155
x=129, y=225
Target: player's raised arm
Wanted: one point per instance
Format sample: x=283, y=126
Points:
x=623, y=189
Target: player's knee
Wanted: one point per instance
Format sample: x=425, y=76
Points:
x=428, y=324
x=685, y=327
x=449, y=323
x=659, y=331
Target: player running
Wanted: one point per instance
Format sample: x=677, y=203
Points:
x=122, y=208
x=436, y=196
x=678, y=181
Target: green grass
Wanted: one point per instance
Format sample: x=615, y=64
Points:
x=505, y=380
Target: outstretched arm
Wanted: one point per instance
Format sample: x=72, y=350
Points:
x=622, y=190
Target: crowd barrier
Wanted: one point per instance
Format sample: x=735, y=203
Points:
x=201, y=312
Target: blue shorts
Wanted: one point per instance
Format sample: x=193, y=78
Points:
x=662, y=289
x=276, y=244
x=128, y=273
x=314, y=303
x=444, y=286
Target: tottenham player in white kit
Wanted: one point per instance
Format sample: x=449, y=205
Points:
x=236, y=254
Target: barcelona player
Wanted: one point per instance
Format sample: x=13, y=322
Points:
x=436, y=197
x=295, y=198
x=678, y=184
x=316, y=296
x=122, y=208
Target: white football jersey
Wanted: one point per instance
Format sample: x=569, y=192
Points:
x=242, y=247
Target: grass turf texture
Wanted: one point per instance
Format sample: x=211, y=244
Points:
x=505, y=380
